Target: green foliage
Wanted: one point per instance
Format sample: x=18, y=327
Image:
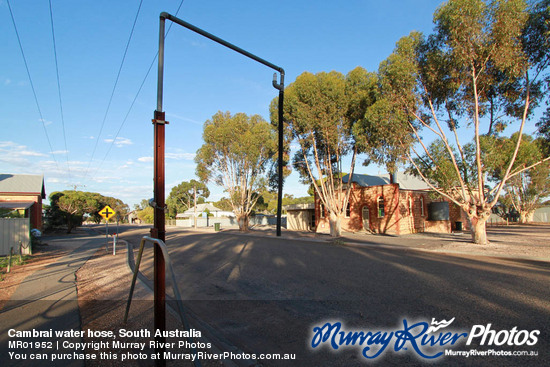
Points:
x=236, y=152
x=320, y=111
x=15, y=260
x=544, y=132
x=10, y=213
x=181, y=197
x=70, y=207
x=224, y=204
x=147, y=215
x=267, y=202
x=525, y=192
x=484, y=64
x=315, y=110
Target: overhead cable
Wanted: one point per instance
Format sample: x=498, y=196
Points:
x=32, y=86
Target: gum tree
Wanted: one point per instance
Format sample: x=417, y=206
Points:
x=236, y=152
x=526, y=191
x=481, y=71
x=182, y=196
x=320, y=111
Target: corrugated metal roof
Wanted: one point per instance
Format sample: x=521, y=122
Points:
x=16, y=204
x=27, y=184
x=405, y=181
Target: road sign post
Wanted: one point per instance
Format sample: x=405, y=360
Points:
x=107, y=213
x=106, y=235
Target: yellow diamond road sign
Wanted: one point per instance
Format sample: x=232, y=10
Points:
x=107, y=212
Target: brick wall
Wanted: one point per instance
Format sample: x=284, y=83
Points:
x=405, y=211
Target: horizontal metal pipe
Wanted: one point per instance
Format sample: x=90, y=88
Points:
x=189, y=26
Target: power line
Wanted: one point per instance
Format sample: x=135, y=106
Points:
x=32, y=86
x=114, y=88
x=138, y=92
x=59, y=92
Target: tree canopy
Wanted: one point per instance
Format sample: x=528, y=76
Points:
x=235, y=154
x=69, y=207
x=182, y=196
x=320, y=111
x=482, y=70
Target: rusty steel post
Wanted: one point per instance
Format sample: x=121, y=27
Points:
x=159, y=230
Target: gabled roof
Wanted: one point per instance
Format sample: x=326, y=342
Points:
x=201, y=208
x=22, y=184
x=405, y=181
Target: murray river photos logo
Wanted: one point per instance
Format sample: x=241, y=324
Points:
x=428, y=341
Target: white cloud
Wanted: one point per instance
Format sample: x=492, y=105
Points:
x=170, y=115
x=7, y=82
x=119, y=142
x=17, y=154
x=181, y=156
x=45, y=122
x=145, y=159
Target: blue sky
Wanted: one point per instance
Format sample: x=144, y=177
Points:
x=201, y=78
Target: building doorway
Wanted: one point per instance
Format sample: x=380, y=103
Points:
x=365, y=214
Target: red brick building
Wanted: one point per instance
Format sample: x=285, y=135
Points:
x=394, y=204
x=24, y=193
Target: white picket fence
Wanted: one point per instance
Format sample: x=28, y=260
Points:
x=15, y=232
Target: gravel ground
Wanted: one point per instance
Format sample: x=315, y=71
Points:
x=518, y=241
x=103, y=282
x=103, y=289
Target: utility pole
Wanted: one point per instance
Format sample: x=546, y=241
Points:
x=195, y=203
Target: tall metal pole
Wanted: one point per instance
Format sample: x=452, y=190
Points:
x=159, y=230
x=281, y=87
x=159, y=171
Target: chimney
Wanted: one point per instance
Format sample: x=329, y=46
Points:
x=393, y=176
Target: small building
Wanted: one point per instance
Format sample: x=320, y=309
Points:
x=300, y=217
x=24, y=193
x=202, y=208
x=133, y=217
x=394, y=204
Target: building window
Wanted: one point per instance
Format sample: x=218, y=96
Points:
x=348, y=210
x=381, y=207
x=422, y=205
x=322, y=210
x=410, y=206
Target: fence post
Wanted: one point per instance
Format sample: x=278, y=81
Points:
x=9, y=260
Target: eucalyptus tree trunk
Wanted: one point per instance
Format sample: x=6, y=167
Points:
x=335, y=225
x=243, y=220
x=479, y=230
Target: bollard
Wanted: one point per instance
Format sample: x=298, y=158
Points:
x=114, y=243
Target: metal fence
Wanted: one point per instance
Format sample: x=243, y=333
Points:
x=542, y=215
x=15, y=232
x=225, y=222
